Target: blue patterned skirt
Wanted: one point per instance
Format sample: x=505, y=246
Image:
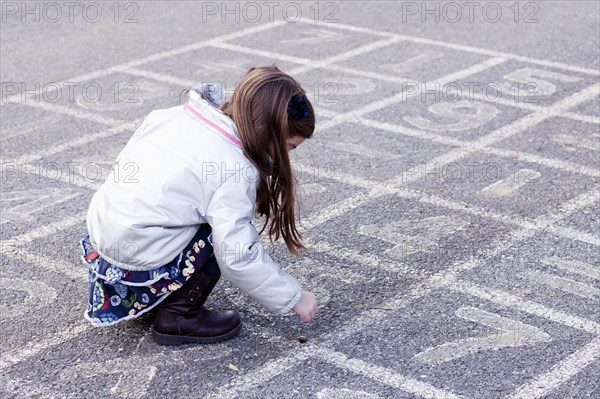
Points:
x=116, y=294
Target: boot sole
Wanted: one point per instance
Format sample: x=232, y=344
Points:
x=168, y=339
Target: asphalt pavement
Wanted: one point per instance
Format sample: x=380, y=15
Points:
x=449, y=196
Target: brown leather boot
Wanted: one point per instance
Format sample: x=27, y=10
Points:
x=182, y=318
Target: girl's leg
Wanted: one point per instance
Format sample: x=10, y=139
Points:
x=182, y=318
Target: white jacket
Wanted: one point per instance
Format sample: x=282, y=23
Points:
x=184, y=166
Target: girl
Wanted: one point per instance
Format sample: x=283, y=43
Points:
x=197, y=173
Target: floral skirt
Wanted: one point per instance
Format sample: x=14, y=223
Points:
x=116, y=294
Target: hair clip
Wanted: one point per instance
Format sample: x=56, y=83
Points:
x=298, y=107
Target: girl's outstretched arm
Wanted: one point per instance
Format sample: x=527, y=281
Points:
x=240, y=254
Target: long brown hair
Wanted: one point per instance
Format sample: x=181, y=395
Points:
x=259, y=108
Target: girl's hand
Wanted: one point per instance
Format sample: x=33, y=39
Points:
x=307, y=306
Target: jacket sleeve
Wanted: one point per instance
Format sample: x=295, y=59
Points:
x=239, y=253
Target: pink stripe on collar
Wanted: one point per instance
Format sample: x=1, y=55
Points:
x=228, y=135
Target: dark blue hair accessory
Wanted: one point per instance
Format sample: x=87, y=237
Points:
x=298, y=107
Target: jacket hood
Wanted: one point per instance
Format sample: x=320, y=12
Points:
x=204, y=101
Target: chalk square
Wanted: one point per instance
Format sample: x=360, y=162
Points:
x=582, y=383
x=586, y=220
x=314, y=42
x=518, y=83
x=344, y=287
x=556, y=272
x=120, y=96
x=351, y=149
x=131, y=343
x=36, y=196
x=212, y=64
x=463, y=120
x=590, y=107
x=311, y=382
x=28, y=133
x=431, y=113
x=504, y=185
x=404, y=340
x=341, y=91
x=411, y=237
x=561, y=139
x=410, y=61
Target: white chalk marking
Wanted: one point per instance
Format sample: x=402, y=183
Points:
x=65, y=333
x=343, y=393
x=482, y=114
x=416, y=133
x=335, y=210
x=446, y=140
x=84, y=140
x=514, y=302
x=262, y=374
x=573, y=266
x=532, y=78
x=572, y=234
x=337, y=175
x=561, y=372
x=362, y=151
x=156, y=57
x=73, y=269
x=582, y=118
x=314, y=36
x=410, y=236
x=262, y=53
x=132, y=381
x=39, y=295
x=588, y=143
x=377, y=105
x=532, y=106
x=469, y=49
x=564, y=284
x=510, y=185
x=554, y=163
x=44, y=230
x=37, y=200
x=61, y=109
x=15, y=249
x=130, y=96
x=383, y=375
x=367, y=317
x=329, y=269
x=568, y=207
x=307, y=63
x=347, y=86
x=352, y=71
x=413, y=63
x=427, y=198
x=557, y=108
x=512, y=334
x=448, y=276
x=36, y=126
x=440, y=279
x=476, y=96
x=183, y=83
x=151, y=363
x=369, y=261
